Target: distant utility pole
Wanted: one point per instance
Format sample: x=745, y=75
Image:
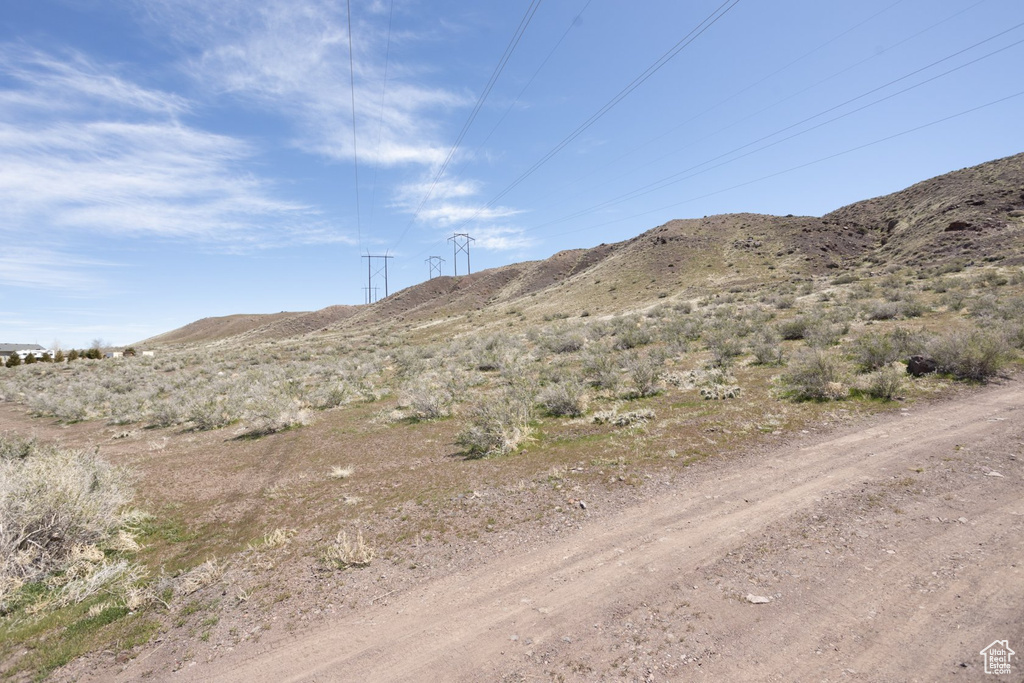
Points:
x=460, y=243
x=369, y=275
x=367, y=291
x=434, y=262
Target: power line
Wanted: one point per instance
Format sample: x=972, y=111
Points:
x=509, y=49
x=355, y=148
x=685, y=41
x=543, y=63
x=560, y=192
x=696, y=32
x=686, y=173
x=804, y=165
x=380, y=119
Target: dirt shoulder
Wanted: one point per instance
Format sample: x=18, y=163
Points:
x=889, y=552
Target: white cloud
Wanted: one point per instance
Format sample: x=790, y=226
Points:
x=38, y=268
x=294, y=57
x=86, y=150
x=501, y=238
x=444, y=214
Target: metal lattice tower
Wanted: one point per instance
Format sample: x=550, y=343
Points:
x=460, y=244
x=434, y=263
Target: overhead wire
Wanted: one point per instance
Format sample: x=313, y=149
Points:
x=686, y=174
x=658, y=64
x=560, y=192
x=355, y=148
x=532, y=78
x=679, y=46
x=803, y=165
x=380, y=119
x=509, y=49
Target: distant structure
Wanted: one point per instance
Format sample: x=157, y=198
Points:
x=434, y=262
x=460, y=244
x=23, y=351
x=371, y=291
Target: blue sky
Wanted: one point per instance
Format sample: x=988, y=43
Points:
x=167, y=160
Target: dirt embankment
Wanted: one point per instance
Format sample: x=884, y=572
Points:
x=893, y=552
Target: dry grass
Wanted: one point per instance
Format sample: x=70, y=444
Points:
x=343, y=553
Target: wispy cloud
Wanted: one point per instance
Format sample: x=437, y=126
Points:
x=293, y=57
x=87, y=150
x=38, y=268
x=497, y=238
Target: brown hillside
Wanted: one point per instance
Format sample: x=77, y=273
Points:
x=975, y=214
x=214, y=329
x=972, y=214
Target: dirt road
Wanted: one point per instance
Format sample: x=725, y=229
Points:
x=894, y=552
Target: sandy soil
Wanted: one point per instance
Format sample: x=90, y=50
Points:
x=892, y=552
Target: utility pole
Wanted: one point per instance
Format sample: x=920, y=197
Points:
x=369, y=274
x=434, y=263
x=366, y=293
x=460, y=243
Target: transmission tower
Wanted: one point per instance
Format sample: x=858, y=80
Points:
x=370, y=274
x=460, y=243
x=434, y=263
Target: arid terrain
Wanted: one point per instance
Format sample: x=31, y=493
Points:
x=695, y=453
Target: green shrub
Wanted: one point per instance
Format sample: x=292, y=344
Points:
x=53, y=504
x=498, y=424
x=766, y=348
x=885, y=383
x=817, y=375
x=645, y=372
x=873, y=351
x=794, y=328
x=973, y=355
x=567, y=398
x=725, y=346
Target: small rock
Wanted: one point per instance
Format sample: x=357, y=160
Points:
x=583, y=505
x=757, y=599
x=993, y=473
x=920, y=365
x=962, y=520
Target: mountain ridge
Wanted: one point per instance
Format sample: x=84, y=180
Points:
x=973, y=214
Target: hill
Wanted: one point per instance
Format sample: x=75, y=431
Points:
x=974, y=214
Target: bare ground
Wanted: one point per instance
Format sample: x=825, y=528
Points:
x=891, y=552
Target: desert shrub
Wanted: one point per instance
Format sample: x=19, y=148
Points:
x=783, y=302
x=873, y=351
x=53, y=504
x=629, y=334
x=973, y=355
x=343, y=553
x=601, y=368
x=913, y=307
x=909, y=342
x=883, y=310
x=563, y=341
x=212, y=411
x=268, y=410
x=817, y=375
x=567, y=398
x=429, y=397
x=645, y=373
x=822, y=333
x=767, y=348
x=725, y=345
x=885, y=382
x=794, y=328
x=497, y=424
